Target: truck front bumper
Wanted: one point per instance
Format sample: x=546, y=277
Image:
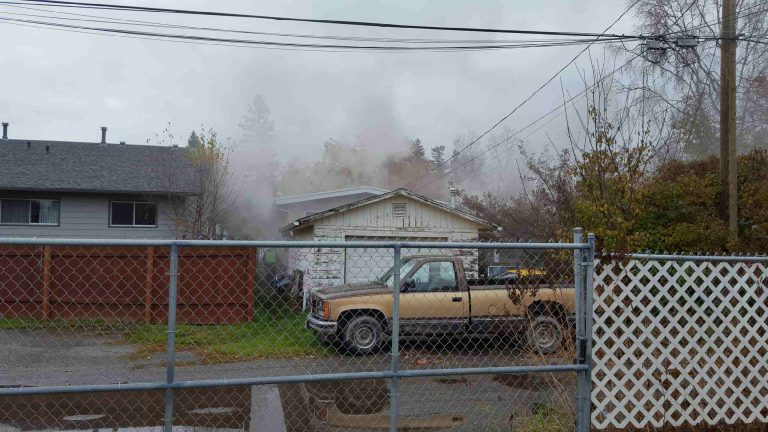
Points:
x=321, y=326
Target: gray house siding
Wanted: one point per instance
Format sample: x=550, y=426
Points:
x=87, y=216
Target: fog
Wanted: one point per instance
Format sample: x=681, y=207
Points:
x=64, y=85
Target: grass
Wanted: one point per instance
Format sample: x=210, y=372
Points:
x=266, y=336
x=546, y=419
x=274, y=333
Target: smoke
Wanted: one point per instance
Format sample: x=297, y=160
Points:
x=377, y=129
x=370, y=148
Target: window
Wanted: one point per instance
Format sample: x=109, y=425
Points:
x=132, y=214
x=435, y=277
x=399, y=210
x=405, y=266
x=15, y=211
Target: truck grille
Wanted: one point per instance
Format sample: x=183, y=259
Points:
x=316, y=306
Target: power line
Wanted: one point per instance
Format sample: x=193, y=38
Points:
x=159, y=39
x=380, y=48
x=107, y=6
x=123, y=21
x=562, y=108
x=531, y=96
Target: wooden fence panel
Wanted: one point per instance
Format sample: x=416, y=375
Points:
x=126, y=284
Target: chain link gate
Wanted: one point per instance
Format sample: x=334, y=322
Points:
x=184, y=333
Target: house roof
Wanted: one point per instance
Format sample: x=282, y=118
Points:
x=315, y=196
x=64, y=166
x=311, y=219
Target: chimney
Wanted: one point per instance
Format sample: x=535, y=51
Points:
x=453, y=192
x=103, y=134
x=5, y=130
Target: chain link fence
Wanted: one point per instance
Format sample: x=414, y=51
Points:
x=294, y=336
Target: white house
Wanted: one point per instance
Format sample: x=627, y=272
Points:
x=397, y=215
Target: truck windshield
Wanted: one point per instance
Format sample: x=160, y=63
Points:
x=388, y=278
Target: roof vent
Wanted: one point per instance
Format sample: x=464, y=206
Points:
x=103, y=134
x=122, y=142
x=47, y=149
x=5, y=130
x=399, y=210
x=29, y=144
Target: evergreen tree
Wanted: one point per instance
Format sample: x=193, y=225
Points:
x=193, y=141
x=257, y=125
x=438, y=158
x=417, y=150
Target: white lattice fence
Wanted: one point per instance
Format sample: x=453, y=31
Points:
x=679, y=342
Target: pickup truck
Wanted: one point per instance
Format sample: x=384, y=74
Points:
x=437, y=300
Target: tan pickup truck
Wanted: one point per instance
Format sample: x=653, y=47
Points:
x=437, y=300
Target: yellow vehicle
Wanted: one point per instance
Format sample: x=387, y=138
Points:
x=512, y=272
x=437, y=300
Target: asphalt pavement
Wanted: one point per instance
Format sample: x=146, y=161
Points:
x=39, y=358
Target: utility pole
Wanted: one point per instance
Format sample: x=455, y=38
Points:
x=728, y=153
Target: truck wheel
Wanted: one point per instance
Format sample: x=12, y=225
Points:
x=545, y=334
x=362, y=335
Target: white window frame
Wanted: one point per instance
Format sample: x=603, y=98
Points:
x=111, y=225
x=29, y=212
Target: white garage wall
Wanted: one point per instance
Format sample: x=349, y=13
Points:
x=328, y=266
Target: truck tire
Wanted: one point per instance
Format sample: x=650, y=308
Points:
x=362, y=335
x=545, y=334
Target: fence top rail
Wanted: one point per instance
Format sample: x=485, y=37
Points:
x=285, y=244
x=673, y=257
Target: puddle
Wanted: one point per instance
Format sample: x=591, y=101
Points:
x=531, y=382
x=83, y=417
x=213, y=410
x=215, y=407
x=329, y=406
x=453, y=380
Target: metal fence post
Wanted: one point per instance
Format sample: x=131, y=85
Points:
x=173, y=274
x=393, y=398
x=589, y=268
x=581, y=376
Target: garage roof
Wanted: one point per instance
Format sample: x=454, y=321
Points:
x=363, y=191
x=311, y=219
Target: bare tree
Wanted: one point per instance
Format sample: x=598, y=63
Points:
x=689, y=80
x=205, y=165
x=595, y=176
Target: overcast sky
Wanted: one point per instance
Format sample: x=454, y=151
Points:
x=64, y=86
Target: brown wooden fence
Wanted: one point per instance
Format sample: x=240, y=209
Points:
x=128, y=284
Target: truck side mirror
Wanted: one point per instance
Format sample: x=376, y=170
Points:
x=407, y=285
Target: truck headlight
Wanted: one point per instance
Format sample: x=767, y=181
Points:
x=321, y=308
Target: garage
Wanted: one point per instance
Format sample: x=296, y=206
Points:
x=363, y=265
x=399, y=215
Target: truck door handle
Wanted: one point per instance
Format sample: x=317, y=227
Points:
x=456, y=299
